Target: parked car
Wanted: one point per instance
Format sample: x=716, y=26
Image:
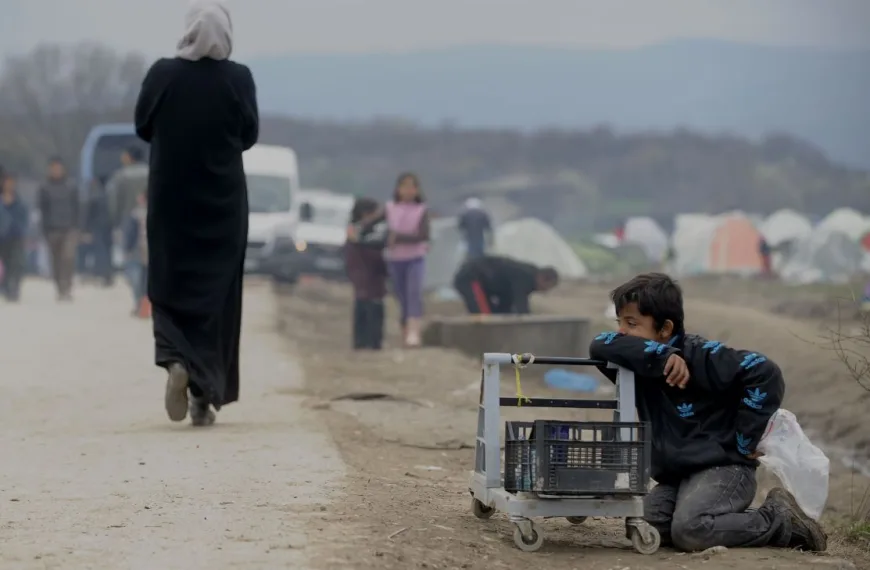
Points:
x=314, y=245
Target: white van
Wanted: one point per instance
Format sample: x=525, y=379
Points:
x=272, y=174
x=320, y=237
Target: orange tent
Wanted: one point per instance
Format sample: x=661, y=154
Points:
x=735, y=246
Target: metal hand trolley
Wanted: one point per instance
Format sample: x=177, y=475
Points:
x=561, y=468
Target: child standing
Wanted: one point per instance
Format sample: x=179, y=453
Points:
x=367, y=271
x=136, y=252
x=407, y=245
x=708, y=406
x=14, y=221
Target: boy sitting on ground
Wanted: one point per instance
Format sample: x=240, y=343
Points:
x=708, y=406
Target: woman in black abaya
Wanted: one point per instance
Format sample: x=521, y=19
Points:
x=199, y=112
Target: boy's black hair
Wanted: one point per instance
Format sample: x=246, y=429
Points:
x=56, y=160
x=414, y=178
x=657, y=296
x=549, y=274
x=361, y=207
x=135, y=153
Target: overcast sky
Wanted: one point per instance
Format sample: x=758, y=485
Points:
x=265, y=27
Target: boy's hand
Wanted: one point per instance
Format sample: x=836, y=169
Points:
x=676, y=371
x=755, y=455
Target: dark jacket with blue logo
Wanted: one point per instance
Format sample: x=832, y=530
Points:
x=720, y=416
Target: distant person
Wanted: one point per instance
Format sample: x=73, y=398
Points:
x=58, y=201
x=708, y=406
x=98, y=228
x=408, y=242
x=500, y=285
x=367, y=271
x=135, y=245
x=14, y=221
x=199, y=112
x=476, y=228
x=126, y=185
x=765, y=251
x=670, y=258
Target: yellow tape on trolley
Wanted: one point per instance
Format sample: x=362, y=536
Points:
x=518, y=364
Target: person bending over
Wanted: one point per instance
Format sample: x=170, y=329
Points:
x=708, y=406
x=492, y=284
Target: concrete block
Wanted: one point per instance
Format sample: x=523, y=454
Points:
x=548, y=335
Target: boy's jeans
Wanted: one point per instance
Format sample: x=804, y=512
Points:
x=709, y=509
x=368, y=324
x=134, y=271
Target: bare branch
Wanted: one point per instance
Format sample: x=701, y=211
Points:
x=57, y=92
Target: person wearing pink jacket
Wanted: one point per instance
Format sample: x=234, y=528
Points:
x=407, y=245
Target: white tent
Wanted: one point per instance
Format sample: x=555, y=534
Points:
x=728, y=243
x=533, y=241
x=825, y=256
x=692, y=234
x=446, y=253
x=608, y=240
x=785, y=226
x=646, y=233
x=846, y=220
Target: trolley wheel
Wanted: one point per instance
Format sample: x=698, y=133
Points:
x=643, y=547
x=576, y=520
x=529, y=544
x=480, y=510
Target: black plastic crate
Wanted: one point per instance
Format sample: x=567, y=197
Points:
x=553, y=457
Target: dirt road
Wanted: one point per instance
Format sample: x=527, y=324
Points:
x=407, y=501
x=95, y=477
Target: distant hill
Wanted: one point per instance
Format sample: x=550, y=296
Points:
x=579, y=180
x=818, y=95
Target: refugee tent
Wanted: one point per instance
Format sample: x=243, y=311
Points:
x=825, y=256
x=728, y=243
x=785, y=226
x=446, y=252
x=536, y=242
x=608, y=240
x=848, y=221
x=646, y=233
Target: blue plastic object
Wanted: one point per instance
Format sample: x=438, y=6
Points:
x=561, y=379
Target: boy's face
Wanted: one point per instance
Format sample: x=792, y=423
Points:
x=632, y=323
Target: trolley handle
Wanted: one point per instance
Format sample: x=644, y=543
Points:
x=506, y=402
x=559, y=360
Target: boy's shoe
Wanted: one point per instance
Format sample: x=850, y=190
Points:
x=176, y=392
x=201, y=414
x=806, y=534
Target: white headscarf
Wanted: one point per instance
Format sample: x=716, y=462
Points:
x=208, y=32
x=473, y=204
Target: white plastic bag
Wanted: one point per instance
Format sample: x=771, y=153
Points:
x=802, y=467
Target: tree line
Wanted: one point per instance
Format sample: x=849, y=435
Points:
x=579, y=179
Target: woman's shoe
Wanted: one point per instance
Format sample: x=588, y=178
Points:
x=201, y=414
x=176, y=392
x=412, y=336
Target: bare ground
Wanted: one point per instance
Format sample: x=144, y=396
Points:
x=407, y=503
x=95, y=477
